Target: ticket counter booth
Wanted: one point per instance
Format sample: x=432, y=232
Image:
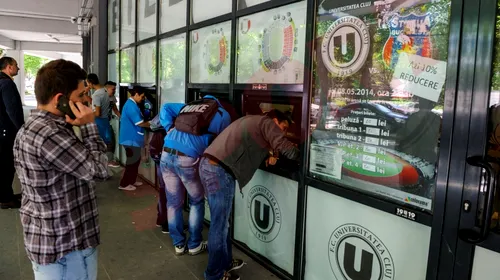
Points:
x=395, y=110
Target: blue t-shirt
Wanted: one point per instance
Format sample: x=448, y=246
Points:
x=131, y=134
x=190, y=144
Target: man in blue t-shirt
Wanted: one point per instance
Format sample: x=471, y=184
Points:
x=179, y=167
x=132, y=126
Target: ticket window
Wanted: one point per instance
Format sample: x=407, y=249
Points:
x=259, y=103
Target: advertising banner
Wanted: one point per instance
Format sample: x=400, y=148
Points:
x=346, y=240
x=265, y=217
x=210, y=54
x=271, y=46
x=379, y=81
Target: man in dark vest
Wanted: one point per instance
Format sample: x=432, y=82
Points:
x=11, y=120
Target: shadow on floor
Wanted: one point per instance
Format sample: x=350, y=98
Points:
x=132, y=246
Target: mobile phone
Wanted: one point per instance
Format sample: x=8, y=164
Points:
x=63, y=106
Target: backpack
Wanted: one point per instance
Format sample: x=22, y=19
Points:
x=156, y=144
x=195, y=117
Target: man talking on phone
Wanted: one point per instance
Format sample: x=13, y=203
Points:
x=57, y=172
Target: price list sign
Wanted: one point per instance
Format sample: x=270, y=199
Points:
x=380, y=72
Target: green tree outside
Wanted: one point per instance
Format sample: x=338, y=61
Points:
x=32, y=64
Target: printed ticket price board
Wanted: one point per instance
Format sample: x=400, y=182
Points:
x=376, y=110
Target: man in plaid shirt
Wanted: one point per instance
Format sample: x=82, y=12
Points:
x=57, y=171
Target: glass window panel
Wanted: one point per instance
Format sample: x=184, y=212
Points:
x=128, y=22
x=146, y=19
x=127, y=66
x=271, y=46
x=113, y=24
x=113, y=67
x=113, y=71
x=210, y=54
x=378, y=91
x=173, y=69
x=172, y=15
x=203, y=11
x=242, y=4
x=146, y=63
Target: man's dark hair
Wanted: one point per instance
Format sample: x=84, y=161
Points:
x=133, y=90
x=6, y=61
x=280, y=116
x=92, y=78
x=110, y=83
x=57, y=76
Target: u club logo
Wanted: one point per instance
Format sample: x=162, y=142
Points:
x=355, y=253
x=264, y=213
x=345, y=46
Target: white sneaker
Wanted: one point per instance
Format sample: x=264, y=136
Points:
x=180, y=250
x=113, y=164
x=138, y=184
x=200, y=249
x=128, y=188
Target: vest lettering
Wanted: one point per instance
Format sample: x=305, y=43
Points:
x=195, y=108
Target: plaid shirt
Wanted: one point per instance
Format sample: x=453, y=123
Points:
x=56, y=170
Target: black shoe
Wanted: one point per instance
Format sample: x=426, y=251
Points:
x=18, y=196
x=164, y=228
x=236, y=264
x=11, y=205
x=230, y=276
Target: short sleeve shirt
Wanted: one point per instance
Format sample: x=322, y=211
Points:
x=100, y=98
x=131, y=134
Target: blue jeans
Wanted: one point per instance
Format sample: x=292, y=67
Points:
x=219, y=188
x=104, y=128
x=180, y=174
x=77, y=265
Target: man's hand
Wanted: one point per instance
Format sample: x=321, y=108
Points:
x=88, y=99
x=83, y=114
x=271, y=161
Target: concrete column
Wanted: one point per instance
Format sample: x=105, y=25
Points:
x=18, y=55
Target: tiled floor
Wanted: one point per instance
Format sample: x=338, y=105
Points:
x=132, y=246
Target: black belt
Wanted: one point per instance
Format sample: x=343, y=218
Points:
x=174, y=152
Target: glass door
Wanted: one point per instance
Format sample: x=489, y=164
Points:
x=384, y=84
x=477, y=201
